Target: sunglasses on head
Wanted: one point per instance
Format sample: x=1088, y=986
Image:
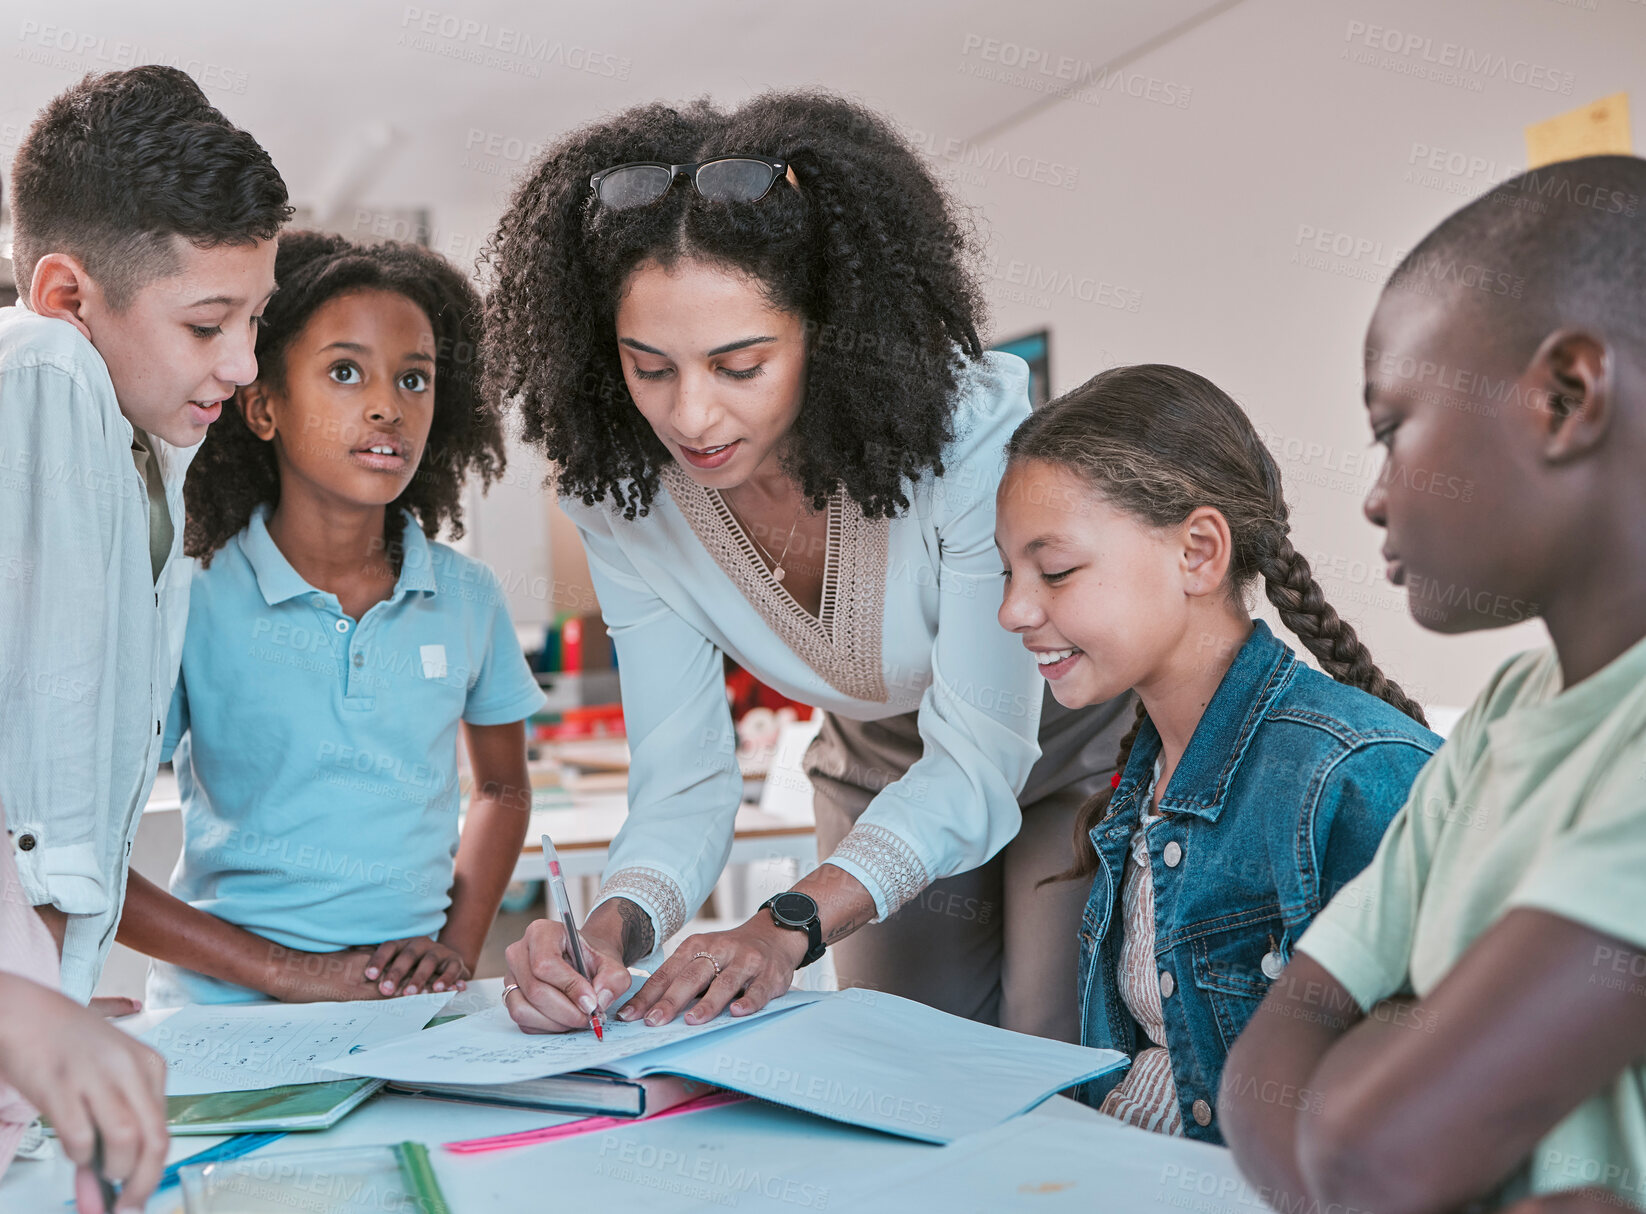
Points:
x=723, y=179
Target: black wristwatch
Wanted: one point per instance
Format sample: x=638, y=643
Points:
x=798, y=913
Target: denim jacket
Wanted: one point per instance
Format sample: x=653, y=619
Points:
x=1281, y=797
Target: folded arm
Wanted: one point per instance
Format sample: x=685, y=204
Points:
x=1425, y=1106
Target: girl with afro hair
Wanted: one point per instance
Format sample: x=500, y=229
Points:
x=748, y=342
x=332, y=651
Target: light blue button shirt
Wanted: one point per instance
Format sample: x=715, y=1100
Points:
x=89, y=637
x=316, y=756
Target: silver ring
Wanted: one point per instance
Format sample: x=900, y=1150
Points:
x=508, y=990
x=710, y=960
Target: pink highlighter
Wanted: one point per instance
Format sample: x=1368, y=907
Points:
x=563, y=906
x=585, y=1125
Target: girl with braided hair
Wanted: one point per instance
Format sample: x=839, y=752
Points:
x=1134, y=515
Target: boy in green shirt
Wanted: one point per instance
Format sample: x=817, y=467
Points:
x=1466, y=1021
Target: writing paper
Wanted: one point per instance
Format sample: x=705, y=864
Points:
x=890, y=1064
x=861, y=1057
x=242, y=1047
x=491, y=1048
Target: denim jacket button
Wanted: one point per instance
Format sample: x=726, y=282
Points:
x=1271, y=965
x=1172, y=854
x=1202, y=1112
x=1168, y=984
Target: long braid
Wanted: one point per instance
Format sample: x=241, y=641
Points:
x=1158, y=442
x=1303, y=608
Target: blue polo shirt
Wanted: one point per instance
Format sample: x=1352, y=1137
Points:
x=317, y=756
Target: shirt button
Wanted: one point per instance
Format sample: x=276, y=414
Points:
x=1173, y=854
x=25, y=842
x=1168, y=984
x=1271, y=965
x=342, y=625
x=359, y=659
x=1202, y=1112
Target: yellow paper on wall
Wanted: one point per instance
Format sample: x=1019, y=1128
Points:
x=1597, y=129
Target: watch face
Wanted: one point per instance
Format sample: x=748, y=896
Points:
x=792, y=908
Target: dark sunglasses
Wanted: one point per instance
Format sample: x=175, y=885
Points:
x=724, y=179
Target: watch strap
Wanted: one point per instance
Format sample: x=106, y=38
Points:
x=813, y=928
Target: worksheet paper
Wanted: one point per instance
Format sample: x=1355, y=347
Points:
x=861, y=1057
x=890, y=1064
x=490, y=1048
x=1052, y=1165
x=241, y=1047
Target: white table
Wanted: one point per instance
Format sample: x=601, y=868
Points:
x=747, y=1156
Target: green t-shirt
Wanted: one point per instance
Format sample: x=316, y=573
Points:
x=1537, y=799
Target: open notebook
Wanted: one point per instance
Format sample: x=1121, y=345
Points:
x=588, y=1094
x=861, y=1057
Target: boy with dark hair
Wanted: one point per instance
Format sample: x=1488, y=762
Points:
x=1464, y=1022
x=144, y=242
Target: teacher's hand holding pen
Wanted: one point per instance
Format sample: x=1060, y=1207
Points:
x=550, y=995
x=739, y=971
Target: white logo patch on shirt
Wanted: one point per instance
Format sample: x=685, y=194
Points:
x=434, y=661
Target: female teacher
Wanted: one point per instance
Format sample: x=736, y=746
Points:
x=748, y=343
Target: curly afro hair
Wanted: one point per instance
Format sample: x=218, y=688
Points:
x=866, y=251
x=235, y=472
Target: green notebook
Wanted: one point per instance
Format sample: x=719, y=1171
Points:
x=296, y=1106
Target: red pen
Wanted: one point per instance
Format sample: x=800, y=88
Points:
x=563, y=906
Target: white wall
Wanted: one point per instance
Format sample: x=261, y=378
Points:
x=1200, y=213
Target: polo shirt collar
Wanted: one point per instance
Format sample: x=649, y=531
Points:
x=416, y=561
x=1259, y=672
x=279, y=581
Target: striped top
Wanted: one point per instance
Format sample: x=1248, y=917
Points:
x=1147, y=1097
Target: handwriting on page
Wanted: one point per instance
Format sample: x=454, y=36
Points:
x=242, y=1047
x=490, y=1048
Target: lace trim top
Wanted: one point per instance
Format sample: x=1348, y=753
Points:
x=653, y=892
x=842, y=641
x=891, y=861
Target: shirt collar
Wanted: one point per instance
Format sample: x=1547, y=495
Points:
x=416, y=560
x=279, y=581
x=1257, y=675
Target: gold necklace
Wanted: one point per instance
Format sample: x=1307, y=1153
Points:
x=778, y=572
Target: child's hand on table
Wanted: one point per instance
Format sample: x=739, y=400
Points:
x=92, y=1082
x=417, y=963
x=300, y=977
